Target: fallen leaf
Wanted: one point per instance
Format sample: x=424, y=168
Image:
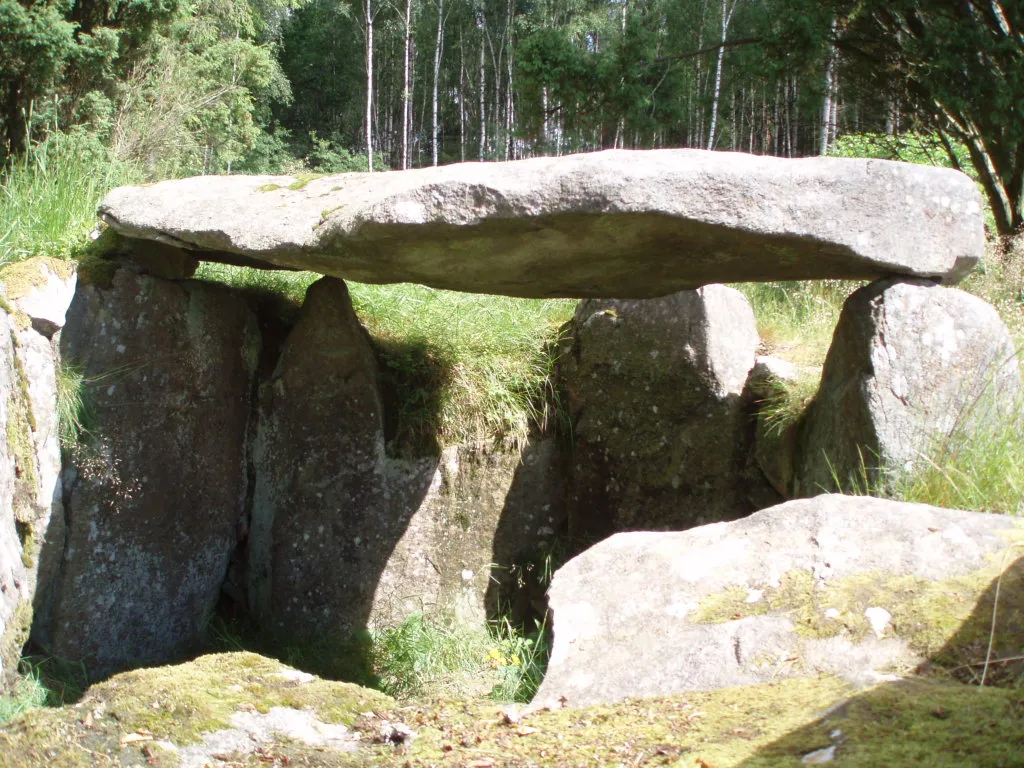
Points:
x=133, y=738
x=526, y=730
x=483, y=762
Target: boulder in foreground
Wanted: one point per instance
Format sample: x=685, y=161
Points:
x=853, y=586
x=614, y=224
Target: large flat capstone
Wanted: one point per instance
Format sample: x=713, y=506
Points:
x=620, y=223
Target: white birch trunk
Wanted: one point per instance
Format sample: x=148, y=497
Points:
x=368, y=10
x=439, y=42
x=726, y=19
x=406, y=90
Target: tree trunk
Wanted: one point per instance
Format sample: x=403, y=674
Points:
x=368, y=11
x=406, y=92
x=462, y=102
x=826, y=107
x=726, y=19
x=483, y=101
x=438, y=43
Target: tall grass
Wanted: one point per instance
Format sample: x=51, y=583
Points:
x=422, y=657
x=49, y=196
x=796, y=319
x=484, y=362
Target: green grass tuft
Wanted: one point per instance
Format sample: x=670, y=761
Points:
x=422, y=657
x=73, y=414
x=978, y=467
x=480, y=365
x=28, y=693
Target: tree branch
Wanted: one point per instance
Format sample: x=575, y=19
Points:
x=709, y=49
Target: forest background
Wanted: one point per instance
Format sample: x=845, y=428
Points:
x=179, y=87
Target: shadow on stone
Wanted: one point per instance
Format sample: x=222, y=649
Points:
x=412, y=374
x=939, y=717
x=530, y=540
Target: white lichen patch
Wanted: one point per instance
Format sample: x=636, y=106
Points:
x=252, y=730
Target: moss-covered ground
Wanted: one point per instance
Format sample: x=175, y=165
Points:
x=130, y=719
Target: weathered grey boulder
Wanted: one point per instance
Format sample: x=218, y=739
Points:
x=155, y=492
x=854, y=586
x=660, y=424
x=609, y=224
x=41, y=288
x=31, y=512
x=910, y=363
x=344, y=537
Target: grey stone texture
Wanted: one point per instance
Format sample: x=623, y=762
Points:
x=661, y=427
x=344, y=537
x=910, y=363
x=799, y=589
x=620, y=223
x=31, y=510
x=153, y=496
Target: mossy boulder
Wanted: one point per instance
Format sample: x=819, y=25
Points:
x=31, y=512
x=854, y=586
x=40, y=289
x=187, y=715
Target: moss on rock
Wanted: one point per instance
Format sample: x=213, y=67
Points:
x=175, y=704
x=132, y=719
x=14, y=637
x=19, y=278
x=927, y=614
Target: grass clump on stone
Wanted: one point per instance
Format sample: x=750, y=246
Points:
x=464, y=366
x=455, y=367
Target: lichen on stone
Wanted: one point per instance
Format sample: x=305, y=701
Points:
x=925, y=613
x=19, y=278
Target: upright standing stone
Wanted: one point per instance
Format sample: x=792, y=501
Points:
x=660, y=426
x=910, y=363
x=155, y=492
x=31, y=509
x=319, y=506
x=344, y=537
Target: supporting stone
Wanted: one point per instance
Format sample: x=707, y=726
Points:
x=911, y=363
x=154, y=492
x=660, y=424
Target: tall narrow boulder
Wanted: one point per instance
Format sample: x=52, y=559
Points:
x=660, y=425
x=343, y=536
x=319, y=506
x=911, y=363
x=155, y=490
x=36, y=293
